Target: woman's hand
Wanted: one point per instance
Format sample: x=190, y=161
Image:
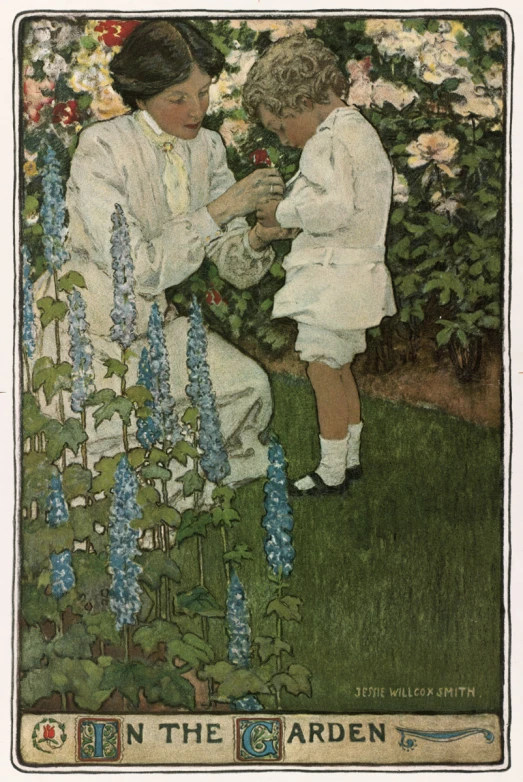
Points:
x=244, y=196
x=266, y=213
x=260, y=237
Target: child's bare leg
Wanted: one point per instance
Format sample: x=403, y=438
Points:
x=352, y=394
x=331, y=400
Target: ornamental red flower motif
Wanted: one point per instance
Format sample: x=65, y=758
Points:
x=213, y=297
x=34, y=99
x=260, y=157
x=48, y=732
x=66, y=113
x=113, y=32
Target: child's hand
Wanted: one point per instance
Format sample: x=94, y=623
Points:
x=266, y=213
x=260, y=237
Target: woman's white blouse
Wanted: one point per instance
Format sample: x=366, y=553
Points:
x=116, y=163
x=340, y=198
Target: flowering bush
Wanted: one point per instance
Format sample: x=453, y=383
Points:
x=432, y=87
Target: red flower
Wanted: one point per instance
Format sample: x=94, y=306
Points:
x=213, y=297
x=260, y=157
x=113, y=32
x=66, y=113
x=48, y=732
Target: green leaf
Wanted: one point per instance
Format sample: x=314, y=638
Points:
x=100, y=397
x=193, y=523
x=36, y=476
x=51, y=309
x=30, y=206
x=106, y=466
x=59, y=436
x=102, y=626
x=163, y=682
x=115, y=367
x=240, y=682
x=182, y=450
x=33, y=648
x=119, y=405
x=224, y=495
x=147, y=495
x=154, y=471
x=156, y=564
x=76, y=481
x=225, y=517
x=37, y=606
x=296, y=681
x=92, y=579
x=136, y=457
x=53, y=377
x=33, y=421
x=397, y=216
x=287, y=608
x=71, y=280
x=192, y=649
x=192, y=482
x=199, y=601
x=218, y=672
x=450, y=85
x=126, y=678
x=190, y=417
x=82, y=522
x=35, y=685
x=271, y=647
x=158, y=631
x=238, y=554
x=443, y=336
x=138, y=395
x=75, y=642
x=154, y=515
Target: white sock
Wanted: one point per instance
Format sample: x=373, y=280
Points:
x=332, y=465
x=353, y=451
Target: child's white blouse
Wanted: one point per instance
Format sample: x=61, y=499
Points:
x=340, y=198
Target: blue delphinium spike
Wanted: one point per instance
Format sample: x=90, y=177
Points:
x=52, y=213
x=62, y=573
x=278, y=520
x=123, y=313
x=28, y=313
x=163, y=402
x=214, y=460
x=149, y=430
x=247, y=703
x=124, y=600
x=238, y=629
x=81, y=353
x=57, y=512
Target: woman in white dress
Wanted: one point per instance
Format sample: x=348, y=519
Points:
x=182, y=205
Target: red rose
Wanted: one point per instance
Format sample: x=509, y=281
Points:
x=213, y=297
x=113, y=32
x=66, y=113
x=260, y=157
x=48, y=732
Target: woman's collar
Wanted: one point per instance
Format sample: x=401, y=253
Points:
x=151, y=122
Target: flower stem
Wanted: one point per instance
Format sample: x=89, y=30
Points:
x=126, y=643
x=225, y=549
x=83, y=420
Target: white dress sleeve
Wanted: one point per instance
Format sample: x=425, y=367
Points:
x=323, y=198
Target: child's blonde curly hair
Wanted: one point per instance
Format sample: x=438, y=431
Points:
x=291, y=71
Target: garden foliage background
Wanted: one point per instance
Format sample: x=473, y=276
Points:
x=109, y=622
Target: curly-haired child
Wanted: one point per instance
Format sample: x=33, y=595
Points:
x=337, y=284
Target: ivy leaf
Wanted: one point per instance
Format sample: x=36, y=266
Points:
x=59, y=436
x=182, y=450
x=157, y=632
x=51, y=309
x=296, y=681
x=120, y=405
x=76, y=481
x=193, y=523
x=33, y=648
x=286, y=608
x=33, y=421
x=156, y=564
x=147, y=495
x=218, y=672
x=224, y=495
x=100, y=397
x=115, y=367
x=36, y=685
x=271, y=647
x=238, y=554
x=225, y=516
x=136, y=457
x=240, y=682
x=192, y=649
x=53, y=377
x=190, y=417
x=106, y=466
x=71, y=280
x=199, y=601
x=192, y=482
x=154, y=471
x=75, y=642
x=138, y=395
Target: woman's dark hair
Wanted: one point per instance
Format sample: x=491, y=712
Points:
x=158, y=54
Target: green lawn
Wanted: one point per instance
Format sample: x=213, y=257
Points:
x=401, y=580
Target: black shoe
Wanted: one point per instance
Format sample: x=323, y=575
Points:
x=320, y=488
x=353, y=473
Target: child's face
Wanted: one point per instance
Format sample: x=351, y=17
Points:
x=293, y=128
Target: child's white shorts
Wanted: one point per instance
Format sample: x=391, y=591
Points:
x=334, y=348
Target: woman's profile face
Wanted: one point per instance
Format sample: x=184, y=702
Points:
x=180, y=109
